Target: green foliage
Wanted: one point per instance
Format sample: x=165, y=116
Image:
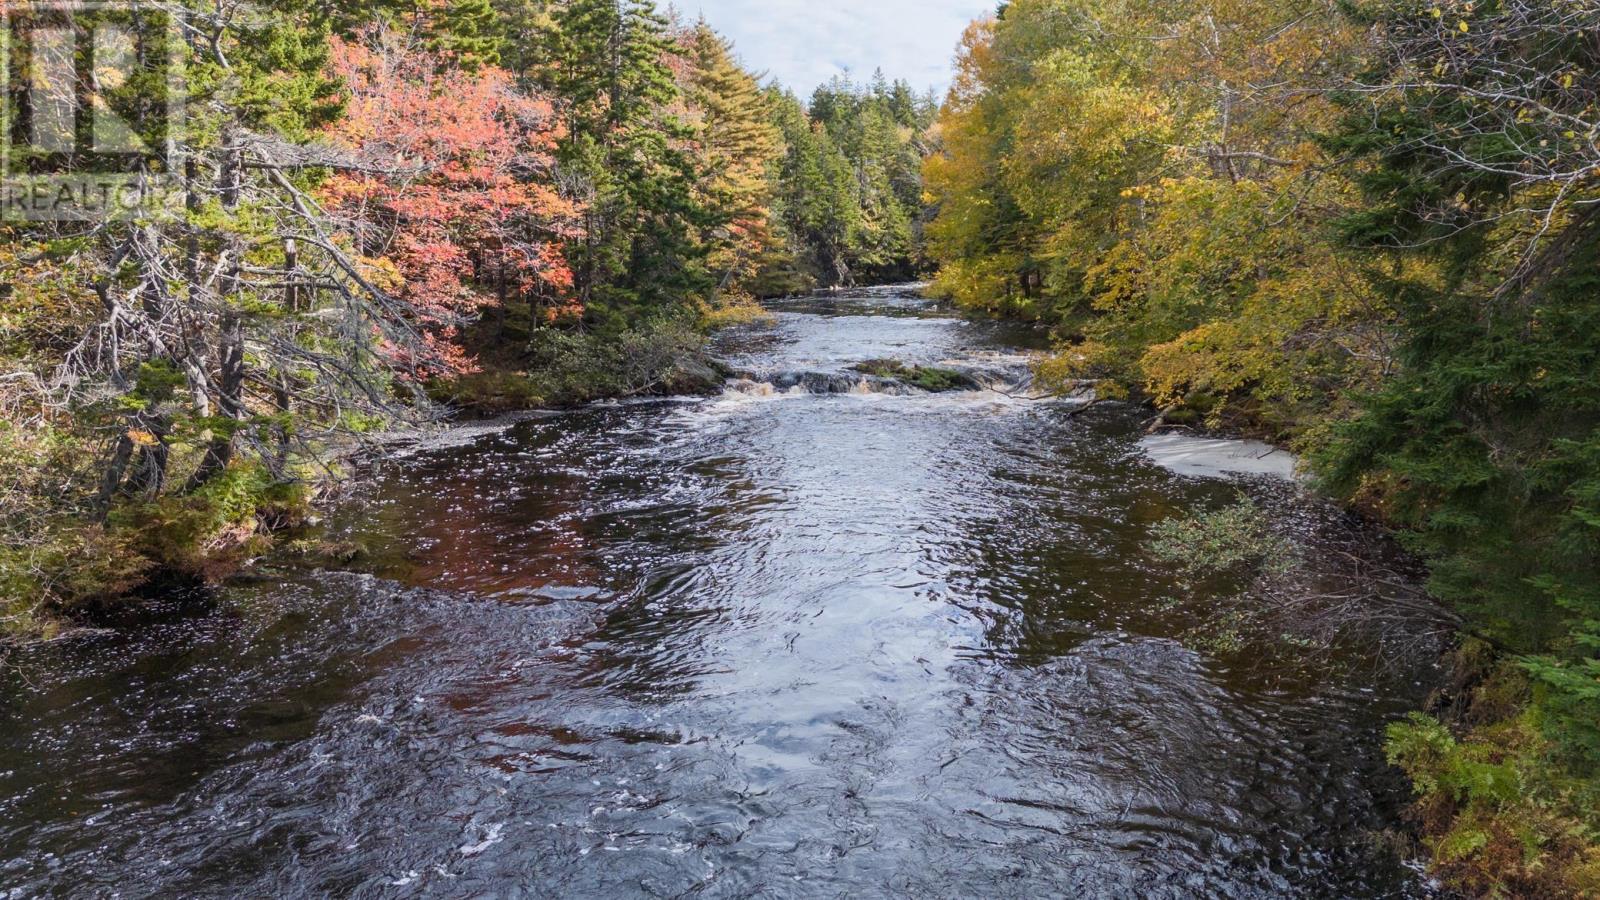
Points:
x=1240, y=556
x=815, y=201
x=1570, y=697
x=1485, y=441
x=207, y=532
x=849, y=187
x=1500, y=818
x=737, y=146
x=610, y=62
x=58, y=564
x=62, y=572
x=1437, y=764
x=468, y=32
x=490, y=392
x=929, y=378
x=663, y=356
x=1234, y=542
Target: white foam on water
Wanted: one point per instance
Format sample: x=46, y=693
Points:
x=492, y=836
x=1199, y=457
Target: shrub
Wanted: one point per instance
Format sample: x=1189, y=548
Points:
x=1234, y=542
x=207, y=533
x=1498, y=815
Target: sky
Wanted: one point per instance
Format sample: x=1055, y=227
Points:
x=803, y=43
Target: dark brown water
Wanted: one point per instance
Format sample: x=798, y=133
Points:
x=778, y=644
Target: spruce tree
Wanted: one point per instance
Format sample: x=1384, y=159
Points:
x=851, y=182
x=608, y=60
x=467, y=32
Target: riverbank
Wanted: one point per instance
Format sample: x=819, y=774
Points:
x=1501, y=808
x=1506, y=794
x=82, y=569
x=78, y=574
x=1354, y=262
x=1323, y=617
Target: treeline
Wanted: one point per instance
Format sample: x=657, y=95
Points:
x=365, y=208
x=850, y=184
x=1372, y=229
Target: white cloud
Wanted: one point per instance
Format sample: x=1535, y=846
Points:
x=803, y=43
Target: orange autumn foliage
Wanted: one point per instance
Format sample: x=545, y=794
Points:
x=451, y=199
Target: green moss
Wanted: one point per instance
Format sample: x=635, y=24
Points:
x=929, y=378
x=209, y=532
x=939, y=381
x=882, y=368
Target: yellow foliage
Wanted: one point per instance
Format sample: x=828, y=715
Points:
x=1129, y=190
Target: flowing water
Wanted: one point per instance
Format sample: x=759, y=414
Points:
x=822, y=636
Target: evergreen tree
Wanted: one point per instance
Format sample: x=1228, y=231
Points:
x=737, y=146
x=467, y=32
x=905, y=107
x=1487, y=437
x=815, y=197
x=610, y=61
x=523, y=22
x=852, y=182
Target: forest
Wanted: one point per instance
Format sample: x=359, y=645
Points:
x=373, y=215
x=1366, y=230
x=1369, y=230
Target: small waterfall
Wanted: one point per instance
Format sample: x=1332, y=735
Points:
x=750, y=388
x=1008, y=374
x=800, y=383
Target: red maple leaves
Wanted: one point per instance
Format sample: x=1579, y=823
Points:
x=450, y=201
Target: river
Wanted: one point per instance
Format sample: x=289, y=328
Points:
x=817, y=637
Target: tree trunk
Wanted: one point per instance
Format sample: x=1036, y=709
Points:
x=283, y=389
x=112, y=479
x=230, y=328
x=150, y=472
x=230, y=399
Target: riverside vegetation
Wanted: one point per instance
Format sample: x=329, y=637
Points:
x=387, y=211
x=1369, y=229
x=1366, y=228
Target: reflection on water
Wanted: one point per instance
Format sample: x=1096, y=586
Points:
x=777, y=643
